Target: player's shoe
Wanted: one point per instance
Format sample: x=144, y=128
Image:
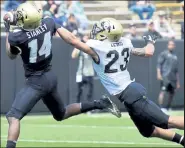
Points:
x=110, y=106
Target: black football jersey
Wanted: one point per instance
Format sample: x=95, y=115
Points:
x=35, y=46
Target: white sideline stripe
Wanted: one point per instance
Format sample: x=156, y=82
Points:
x=30, y=117
x=77, y=126
x=83, y=126
x=101, y=115
x=94, y=142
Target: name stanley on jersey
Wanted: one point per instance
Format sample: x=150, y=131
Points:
x=37, y=31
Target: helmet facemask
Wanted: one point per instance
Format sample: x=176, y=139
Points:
x=107, y=28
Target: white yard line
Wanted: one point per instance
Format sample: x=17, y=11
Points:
x=81, y=126
x=30, y=117
x=92, y=142
x=75, y=126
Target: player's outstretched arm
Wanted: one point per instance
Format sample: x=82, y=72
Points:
x=74, y=41
x=148, y=50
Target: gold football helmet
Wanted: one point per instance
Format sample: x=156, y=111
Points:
x=28, y=16
x=107, y=28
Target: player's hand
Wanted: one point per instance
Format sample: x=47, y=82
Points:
x=6, y=19
x=9, y=19
x=178, y=85
x=159, y=77
x=150, y=39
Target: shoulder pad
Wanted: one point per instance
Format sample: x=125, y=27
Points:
x=16, y=38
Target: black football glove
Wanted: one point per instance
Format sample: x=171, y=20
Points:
x=150, y=39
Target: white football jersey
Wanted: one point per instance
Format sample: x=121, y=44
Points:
x=112, y=69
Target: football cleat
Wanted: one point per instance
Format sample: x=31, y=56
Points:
x=110, y=106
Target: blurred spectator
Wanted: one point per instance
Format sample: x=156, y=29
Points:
x=182, y=30
x=77, y=9
x=48, y=5
x=140, y=7
x=72, y=24
x=167, y=73
x=51, y=9
x=151, y=30
x=63, y=12
x=162, y=26
x=85, y=72
x=132, y=32
x=12, y=4
x=63, y=9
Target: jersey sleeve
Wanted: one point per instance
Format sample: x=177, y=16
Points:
x=130, y=45
x=14, y=44
x=14, y=39
x=93, y=44
x=53, y=25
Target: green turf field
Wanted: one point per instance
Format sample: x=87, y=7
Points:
x=97, y=130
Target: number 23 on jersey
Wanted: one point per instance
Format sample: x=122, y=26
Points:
x=124, y=53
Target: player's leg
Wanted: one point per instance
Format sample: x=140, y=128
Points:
x=80, y=91
x=153, y=113
x=23, y=103
x=90, y=88
x=56, y=106
x=171, y=93
x=161, y=95
x=168, y=135
x=146, y=114
x=148, y=130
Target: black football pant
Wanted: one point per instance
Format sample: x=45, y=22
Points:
x=38, y=87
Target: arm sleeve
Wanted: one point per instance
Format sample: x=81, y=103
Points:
x=14, y=43
x=92, y=44
x=53, y=24
x=130, y=44
x=160, y=60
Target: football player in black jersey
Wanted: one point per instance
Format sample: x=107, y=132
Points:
x=31, y=39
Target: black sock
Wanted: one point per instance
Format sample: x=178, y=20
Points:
x=178, y=139
x=88, y=106
x=10, y=144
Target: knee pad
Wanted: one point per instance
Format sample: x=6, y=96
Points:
x=146, y=134
x=60, y=116
x=15, y=113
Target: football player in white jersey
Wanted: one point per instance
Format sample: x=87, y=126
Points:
x=111, y=53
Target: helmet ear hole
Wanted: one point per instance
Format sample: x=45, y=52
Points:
x=113, y=27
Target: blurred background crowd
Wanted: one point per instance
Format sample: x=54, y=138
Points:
x=137, y=17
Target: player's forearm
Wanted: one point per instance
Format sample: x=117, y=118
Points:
x=147, y=51
x=74, y=41
x=178, y=79
x=10, y=55
x=85, y=48
x=158, y=72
